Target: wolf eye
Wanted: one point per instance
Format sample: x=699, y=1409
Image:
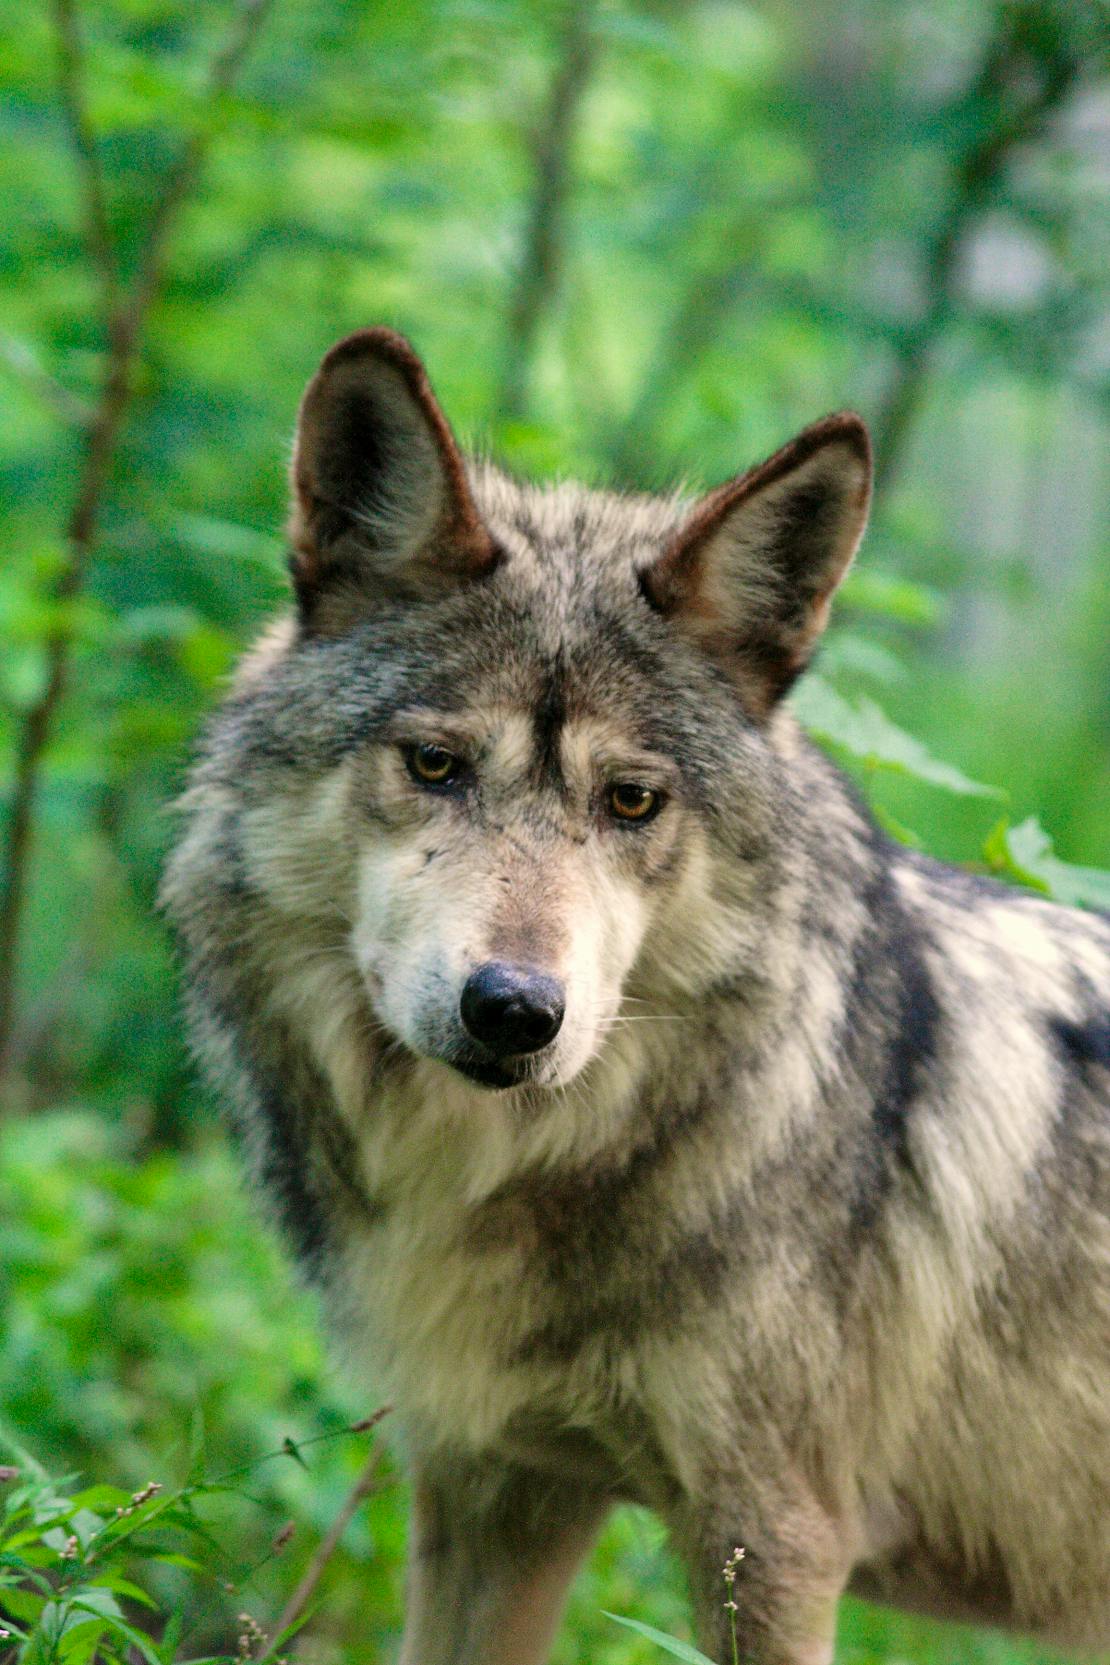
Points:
x=629, y=801
x=432, y=765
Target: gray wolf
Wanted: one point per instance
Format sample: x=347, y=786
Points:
x=652, y=1126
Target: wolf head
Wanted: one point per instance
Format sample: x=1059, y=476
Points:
x=521, y=741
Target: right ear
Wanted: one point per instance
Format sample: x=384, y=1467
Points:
x=381, y=505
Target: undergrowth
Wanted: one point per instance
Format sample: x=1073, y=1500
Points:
x=71, y=1561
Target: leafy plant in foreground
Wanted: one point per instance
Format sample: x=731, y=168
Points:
x=67, y=1596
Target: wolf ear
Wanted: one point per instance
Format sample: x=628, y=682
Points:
x=381, y=504
x=752, y=573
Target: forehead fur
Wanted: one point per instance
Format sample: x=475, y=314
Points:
x=559, y=630
x=571, y=539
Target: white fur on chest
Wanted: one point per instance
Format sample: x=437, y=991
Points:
x=432, y=1310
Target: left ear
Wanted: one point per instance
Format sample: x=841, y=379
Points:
x=751, y=574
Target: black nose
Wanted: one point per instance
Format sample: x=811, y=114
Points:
x=511, y=1008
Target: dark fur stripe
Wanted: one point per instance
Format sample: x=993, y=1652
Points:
x=891, y=1035
x=1083, y=1048
x=285, y=1172
x=547, y=721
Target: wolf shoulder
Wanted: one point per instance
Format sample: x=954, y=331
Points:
x=1023, y=984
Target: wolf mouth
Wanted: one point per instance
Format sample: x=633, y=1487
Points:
x=491, y=1072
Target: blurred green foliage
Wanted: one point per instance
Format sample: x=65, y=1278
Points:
x=737, y=217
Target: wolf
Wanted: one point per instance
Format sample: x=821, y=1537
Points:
x=651, y=1125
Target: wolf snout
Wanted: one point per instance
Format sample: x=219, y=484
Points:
x=512, y=1009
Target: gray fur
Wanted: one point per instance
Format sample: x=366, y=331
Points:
x=816, y=1259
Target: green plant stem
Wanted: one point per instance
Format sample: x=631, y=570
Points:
x=369, y=1480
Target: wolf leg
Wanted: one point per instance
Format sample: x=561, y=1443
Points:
x=785, y=1587
x=493, y=1550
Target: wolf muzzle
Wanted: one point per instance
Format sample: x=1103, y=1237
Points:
x=512, y=1009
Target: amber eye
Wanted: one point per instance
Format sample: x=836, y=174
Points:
x=629, y=801
x=432, y=765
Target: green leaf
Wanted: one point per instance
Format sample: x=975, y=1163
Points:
x=865, y=731
x=844, y=650
x=23, y=1604
x=119, y=1627
x=998, y=852
x=30, y=1465
x=174, y=1558
x=670, y=1644
x=124, y=1587
x=38, y=1534
x=1025, y=853
x=183, y=1517
x=873, y=591
x=291, y=1449
x=22, y=1573
x=223, y=538
x=897, y=829
x=96, y=1599
x=165, y=623
x=102, y=1499
x=206, y=654
x=79, y=1640
x=197, y=1451
x=278, y=1642
x=146, y=1514
x=171, y=1636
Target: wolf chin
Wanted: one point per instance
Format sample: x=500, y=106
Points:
x=653, y=1128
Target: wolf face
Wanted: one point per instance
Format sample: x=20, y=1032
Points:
x=516, y=822
x=505, y=878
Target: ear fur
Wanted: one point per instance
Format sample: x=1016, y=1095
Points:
x=751, y=574
x=381, y=503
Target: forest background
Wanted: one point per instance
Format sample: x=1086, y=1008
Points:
x=635, y=242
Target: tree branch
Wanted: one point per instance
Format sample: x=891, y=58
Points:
x=1020, y=92
x=368, y=1481
x=693, y=326
x=18, y=358
x=90, y=176
x=123, y=321
x=1016, y=119
x=691, y=330
x=538, y=277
